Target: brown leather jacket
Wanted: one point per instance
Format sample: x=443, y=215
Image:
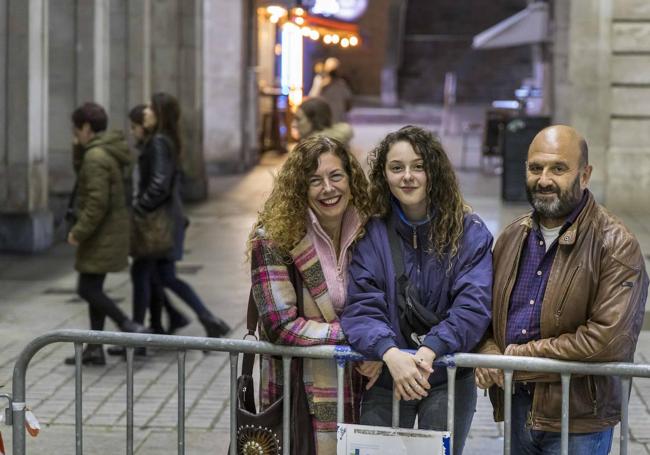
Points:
x=592, y=311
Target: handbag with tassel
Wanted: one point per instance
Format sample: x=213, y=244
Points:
x=261, y=432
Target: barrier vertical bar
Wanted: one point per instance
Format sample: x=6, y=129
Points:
x=340, y=393
x=626, y=383
x=566, y=379
x=181, y=401
x=286, y=404
x=129, y=400
x=233, y=403
x=395, y=410
x=451, y=401
x=78, y=409
x=507, y=418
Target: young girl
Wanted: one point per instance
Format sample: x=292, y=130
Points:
x=424, y=248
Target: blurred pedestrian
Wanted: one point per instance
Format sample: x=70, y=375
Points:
x=336, y=91
x=159, y=299
x=317, y=81
x=159, y=186
x=100, y=232
x=314, y=118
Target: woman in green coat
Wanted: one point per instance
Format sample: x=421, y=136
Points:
x=100, y=232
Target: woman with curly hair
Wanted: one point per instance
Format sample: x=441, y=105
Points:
x=421, y=278
x=314, y=215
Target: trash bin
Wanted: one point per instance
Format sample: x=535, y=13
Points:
x=519, y=133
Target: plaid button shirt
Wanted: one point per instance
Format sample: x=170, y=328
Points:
x=527, y=295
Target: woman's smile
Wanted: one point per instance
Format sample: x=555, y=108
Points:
x=330, y=202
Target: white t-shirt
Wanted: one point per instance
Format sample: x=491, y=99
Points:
x=549, y=234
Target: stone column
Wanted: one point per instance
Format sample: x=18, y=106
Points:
x=139, y=51
x=118, y=103
x=25, y=221
x=250, y=98
x=583, y=100
x=190, y=97
x=93, y=52
x=165, y=38
x=62, y=101
x=176, y=68
x=224, y=60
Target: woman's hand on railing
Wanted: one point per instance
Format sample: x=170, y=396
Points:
x=371, y=370
x=410, y=383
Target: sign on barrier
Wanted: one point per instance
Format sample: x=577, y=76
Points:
x=370, y=440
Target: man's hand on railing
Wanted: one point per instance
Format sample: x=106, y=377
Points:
x=410, y=383
x=371, y=370
x=487, y=377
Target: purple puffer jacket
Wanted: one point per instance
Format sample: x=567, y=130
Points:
x=461, y=295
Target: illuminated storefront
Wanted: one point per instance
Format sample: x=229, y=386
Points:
x=283, y=30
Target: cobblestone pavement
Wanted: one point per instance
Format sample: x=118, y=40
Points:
x=38, y=295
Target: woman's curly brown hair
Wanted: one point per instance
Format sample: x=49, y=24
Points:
x=284, y=215
x=443, y=193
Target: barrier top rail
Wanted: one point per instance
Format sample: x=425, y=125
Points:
x=341, y=353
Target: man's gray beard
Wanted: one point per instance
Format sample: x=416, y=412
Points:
x=562, y=206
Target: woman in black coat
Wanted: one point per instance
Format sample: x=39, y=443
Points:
x=159, y=299
x=159, y=184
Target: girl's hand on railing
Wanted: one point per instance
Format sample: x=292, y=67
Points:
x=424, y=358
x=371, y=370
x=410, y=383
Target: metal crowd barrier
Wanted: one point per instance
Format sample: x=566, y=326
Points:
x=342, y=354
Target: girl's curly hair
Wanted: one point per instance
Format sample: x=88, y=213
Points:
x=443, y=193
x=284, y=215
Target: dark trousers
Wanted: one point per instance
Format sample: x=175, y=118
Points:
x=526, y=441
x=162, y=273
x=377, y=409
x=90, y=288
x=142, y=271
x=167, y=273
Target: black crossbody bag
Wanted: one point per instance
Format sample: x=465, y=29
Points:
x=261, y=431
x=415, y=320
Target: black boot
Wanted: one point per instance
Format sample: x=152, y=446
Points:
x=133, y=327
x=214, y=326
x=93, y=354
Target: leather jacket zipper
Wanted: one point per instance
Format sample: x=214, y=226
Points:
x=567, y=288
x=415, y=238
x=507, y=288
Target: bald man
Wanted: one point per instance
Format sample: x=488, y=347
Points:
x=570, y=284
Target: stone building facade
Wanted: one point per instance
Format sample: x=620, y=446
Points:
x=59, y=54
x=602, y=87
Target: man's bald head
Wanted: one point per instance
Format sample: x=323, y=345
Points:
x=564, y=140
x=557, y=173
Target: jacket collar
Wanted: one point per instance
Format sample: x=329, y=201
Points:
x=578, y=218
x=350, y=225
x=405, y=227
